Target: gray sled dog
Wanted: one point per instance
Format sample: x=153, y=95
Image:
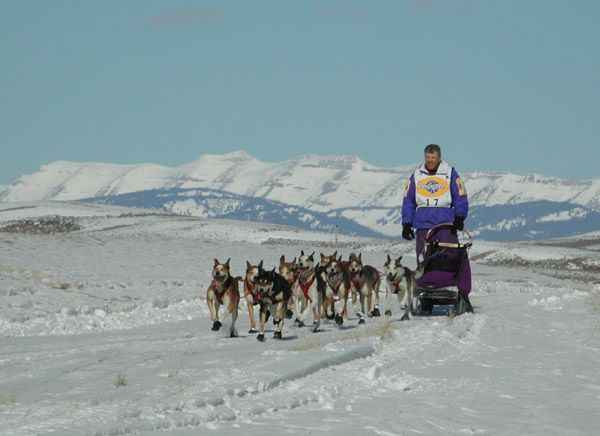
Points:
x=223, y=291
x=402, y=281
x=307, y=294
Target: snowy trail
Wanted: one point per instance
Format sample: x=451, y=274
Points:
x=130, y=350
x=176, y=379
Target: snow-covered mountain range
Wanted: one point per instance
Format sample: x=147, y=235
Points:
x=317, y=192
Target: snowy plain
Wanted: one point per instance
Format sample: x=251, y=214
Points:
x=104, y=329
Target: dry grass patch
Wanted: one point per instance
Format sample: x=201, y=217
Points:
x=9, y=398
x=121, y=381
x=382, y=330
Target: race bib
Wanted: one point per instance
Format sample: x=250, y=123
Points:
x=433, y=190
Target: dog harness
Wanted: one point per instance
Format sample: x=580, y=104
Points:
x=396, y=284
x=335, y=287
x=251, y=290
x=220, y=291
x=306, y=286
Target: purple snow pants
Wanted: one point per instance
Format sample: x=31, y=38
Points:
x=438, y=279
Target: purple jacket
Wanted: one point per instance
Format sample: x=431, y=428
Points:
x=422, y=217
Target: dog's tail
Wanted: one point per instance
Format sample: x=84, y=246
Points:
x=418, y=272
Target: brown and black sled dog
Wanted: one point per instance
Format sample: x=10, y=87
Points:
x=223, y=291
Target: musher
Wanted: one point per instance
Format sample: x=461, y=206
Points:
x=435, y=194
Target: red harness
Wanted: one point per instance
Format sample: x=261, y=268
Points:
x=215, y=285
x=251, y=290
x=306, y=286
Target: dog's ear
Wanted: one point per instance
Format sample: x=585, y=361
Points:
x=248, y=266
x=282, y=259
x=312, y=255
x=334, y=255
x=360, y=257
x=301, y=252
x=227, y=263
x=399, y=260
x=322, y=257
x=260, y=265
x=273, y=270
x=294, y=260
x=217, y=262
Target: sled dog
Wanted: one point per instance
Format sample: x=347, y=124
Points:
x=223, y=291
x=337, y=289
x=308, y=292
x=274, y=295
x=251, y=292
x=402, y=281
x=327, y=310
x=289, y=270
x=365, y=282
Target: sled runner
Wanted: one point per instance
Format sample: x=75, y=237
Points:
x=446, y=279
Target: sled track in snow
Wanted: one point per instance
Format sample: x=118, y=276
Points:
x=279, y=395
x=206, y=412
x=287, y=392
x=359, y=353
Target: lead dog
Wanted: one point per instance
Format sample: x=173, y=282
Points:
x=308, y=292
x=275, y=293
x=251, y=292
x=402, y=281
x=365, y=283
x=223, y=291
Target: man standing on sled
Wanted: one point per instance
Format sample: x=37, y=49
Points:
x=435, y=194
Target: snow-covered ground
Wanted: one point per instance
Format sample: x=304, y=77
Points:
x=104, y=330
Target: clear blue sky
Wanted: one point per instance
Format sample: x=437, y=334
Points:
x=500, y=85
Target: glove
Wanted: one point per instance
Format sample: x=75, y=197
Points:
x=459, y=224
x=407, y=232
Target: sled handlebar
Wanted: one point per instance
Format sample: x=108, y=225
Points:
x=452, y=245
x=434, y=229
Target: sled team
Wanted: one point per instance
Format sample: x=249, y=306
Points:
x=305, y=287
x=434, y=208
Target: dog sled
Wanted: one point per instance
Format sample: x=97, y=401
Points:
x=446, y=279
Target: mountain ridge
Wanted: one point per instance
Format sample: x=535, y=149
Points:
x=349, y=179
x=335, y=186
